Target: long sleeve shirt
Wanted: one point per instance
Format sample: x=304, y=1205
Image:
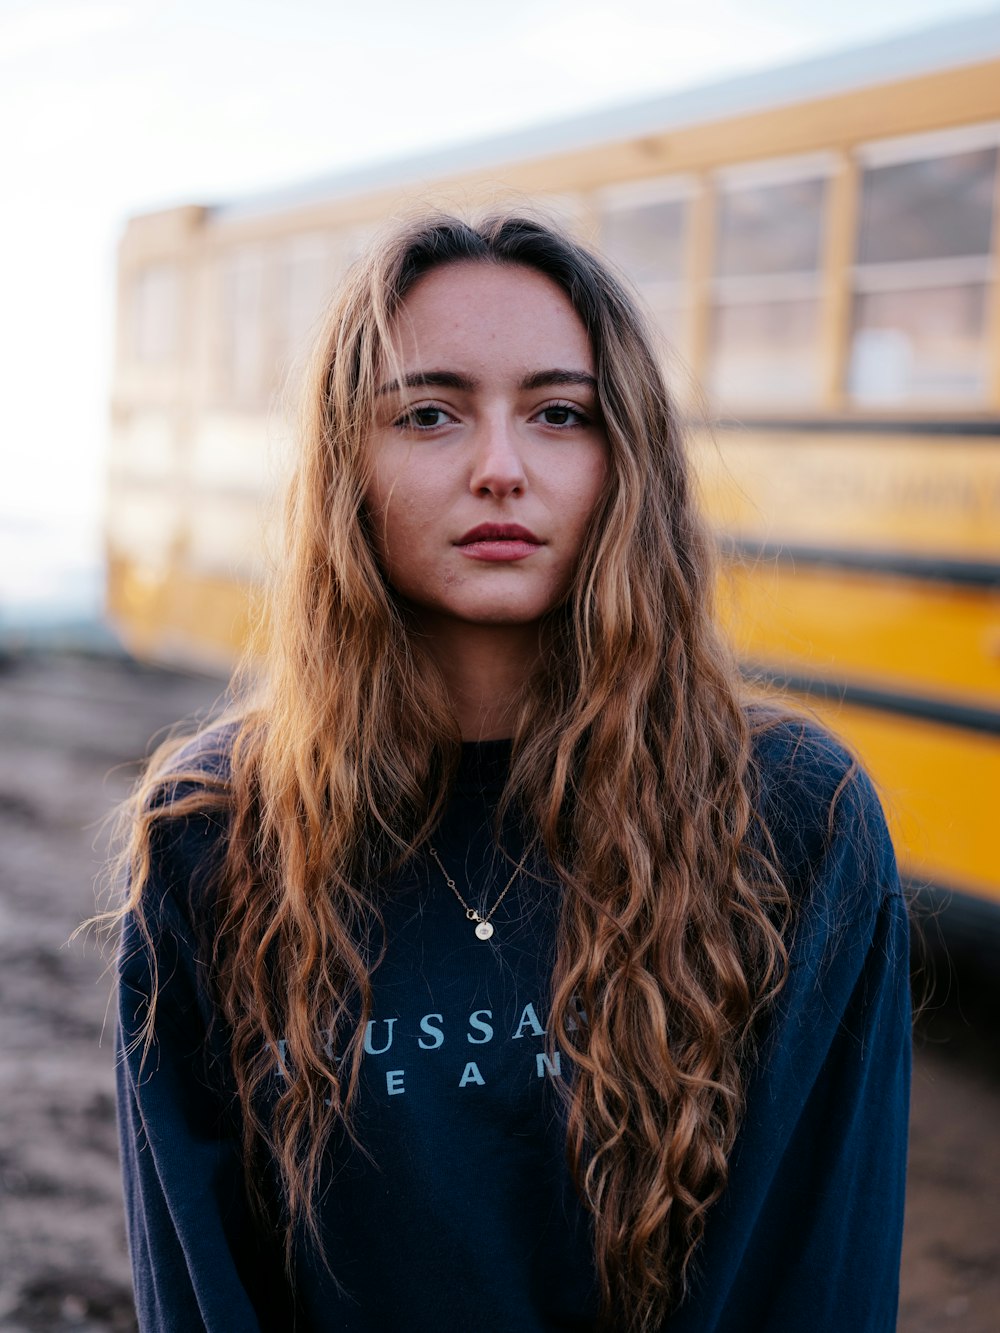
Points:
x=460, y=1213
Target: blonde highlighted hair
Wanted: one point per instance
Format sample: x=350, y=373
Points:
x=632, y=759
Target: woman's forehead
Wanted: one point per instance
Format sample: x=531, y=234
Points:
x=485, y=314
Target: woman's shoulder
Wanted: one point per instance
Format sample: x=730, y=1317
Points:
x=185, y=810
x=799, y=765
x=200, y=762
x=176, y=852
x=820, y=809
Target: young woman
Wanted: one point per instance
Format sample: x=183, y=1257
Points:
x=495, y=964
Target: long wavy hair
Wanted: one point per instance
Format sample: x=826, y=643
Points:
x=632, y=759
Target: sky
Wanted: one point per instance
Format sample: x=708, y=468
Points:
x=113, y=107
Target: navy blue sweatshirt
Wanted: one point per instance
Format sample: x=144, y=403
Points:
x=460, y=1214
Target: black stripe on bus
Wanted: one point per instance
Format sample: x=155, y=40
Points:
x=935, y=568
x=948, y=916
x=972, y=427
x=927, y=709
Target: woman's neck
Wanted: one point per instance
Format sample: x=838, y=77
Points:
x=485, y=669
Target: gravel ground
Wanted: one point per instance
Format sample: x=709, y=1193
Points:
x=71, y=729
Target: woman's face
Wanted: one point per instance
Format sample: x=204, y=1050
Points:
x=489, y=456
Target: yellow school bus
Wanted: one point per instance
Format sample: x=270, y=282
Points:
x=819, y=245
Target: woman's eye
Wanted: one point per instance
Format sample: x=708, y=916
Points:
x=422, y=418
x=563, y=414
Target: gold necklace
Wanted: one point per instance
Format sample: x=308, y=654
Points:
x=483, y=927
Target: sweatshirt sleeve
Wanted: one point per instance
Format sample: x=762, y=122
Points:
x=189, y=1231
x=809, y=1232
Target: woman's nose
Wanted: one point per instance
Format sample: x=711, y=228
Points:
x=497, y=463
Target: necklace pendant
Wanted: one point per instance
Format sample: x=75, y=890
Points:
x=484, y=930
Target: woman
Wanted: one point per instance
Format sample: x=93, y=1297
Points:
x=495, y=964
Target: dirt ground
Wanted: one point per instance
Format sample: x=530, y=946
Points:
x=69, y=731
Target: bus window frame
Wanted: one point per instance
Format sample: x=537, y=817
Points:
x=729, y=289
x=627, y=196
x=861, y=278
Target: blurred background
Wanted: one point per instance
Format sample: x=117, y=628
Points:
x=808, y=200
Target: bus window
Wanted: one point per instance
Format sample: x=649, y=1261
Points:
x=241, y=381
x=155, y=314
x=921, y=282
x=648, y=241
x=302, y=283
x=647, y=238
x=764, y=344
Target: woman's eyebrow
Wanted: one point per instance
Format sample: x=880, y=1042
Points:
x=438, y=379
x=543, y=379
x=450, y=379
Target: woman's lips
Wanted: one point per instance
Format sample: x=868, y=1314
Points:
x=499, y=549
x=498, y=541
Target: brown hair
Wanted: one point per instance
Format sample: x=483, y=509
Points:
x=632, y=757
